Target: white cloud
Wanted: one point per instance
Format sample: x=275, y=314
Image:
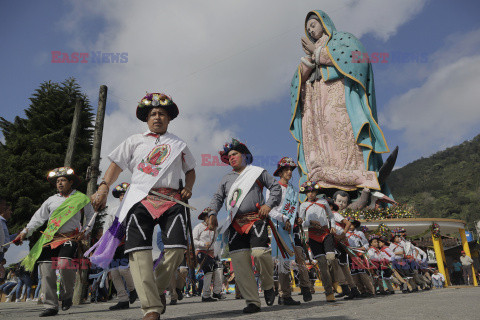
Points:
x=443, y=111
x=211, y=56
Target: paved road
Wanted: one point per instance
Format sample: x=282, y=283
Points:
x=450, y=303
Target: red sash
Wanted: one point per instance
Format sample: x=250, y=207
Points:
x=243, y=223
x=318, y=234
x=156, y=205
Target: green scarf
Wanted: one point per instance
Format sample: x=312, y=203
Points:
x=62, y=214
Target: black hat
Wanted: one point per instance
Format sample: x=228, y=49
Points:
x=66, y=172
x=204, y=213
x=237, y=146
x=284, y=163
x=121, y=188
x=156, y=100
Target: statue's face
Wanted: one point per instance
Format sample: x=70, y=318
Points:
x=314, y=28
x=341, y=202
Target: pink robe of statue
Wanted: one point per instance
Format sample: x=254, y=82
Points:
x=333, y=158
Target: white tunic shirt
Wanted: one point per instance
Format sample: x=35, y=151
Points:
x=276, y=212
x=338, y=220
x=129, y=154
x=202, y=237
x=50, y=205
x=310, y=211
x=398, y=250
x=357, y=239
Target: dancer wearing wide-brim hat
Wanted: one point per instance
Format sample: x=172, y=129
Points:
x=157, y=160
x=318, y=218
x=58, y=244
x=247, y=222
x=283, y=217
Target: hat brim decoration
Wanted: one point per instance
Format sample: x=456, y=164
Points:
x=66, y=172
x=237, y=146
x=285, y=162
x=156, y=100
x=309, y=186
x=204, y=213
x=120, y=189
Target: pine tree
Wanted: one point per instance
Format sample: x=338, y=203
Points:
x=38, y=143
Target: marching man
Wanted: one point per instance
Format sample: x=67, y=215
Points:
x=157, y=160
x=63, y=212
x=203, y=239
x=317, y=217
x=283, y=217
x=246, y=222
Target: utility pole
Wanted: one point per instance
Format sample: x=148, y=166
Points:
x=73, y=133
x=81, y=281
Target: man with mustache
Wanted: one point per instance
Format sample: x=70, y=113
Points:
x=246, y=222
x=157, y=160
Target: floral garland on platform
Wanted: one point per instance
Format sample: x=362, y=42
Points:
x=383, y=230
x=435, y=229
x=393, y=212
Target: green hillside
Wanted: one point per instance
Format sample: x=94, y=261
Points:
x=446, y=184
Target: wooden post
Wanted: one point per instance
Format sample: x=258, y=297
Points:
x=97, y=141
x=81, y=281
x=73, y=133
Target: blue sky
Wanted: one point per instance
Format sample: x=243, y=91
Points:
x=228, y=65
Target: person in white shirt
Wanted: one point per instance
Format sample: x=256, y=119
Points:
x=157, y=160
x=438, y=279
x=119, y=269
x=203, y=238
x=63, y=248
x=318, y=218
x=285, y=168
x=467, y=263
x=358, y=242
x=5, y=214
x=419, y=263
x=342, y=274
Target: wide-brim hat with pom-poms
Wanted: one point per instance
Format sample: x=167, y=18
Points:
x=66, y=172
x=121, y=188
x=156, y=100
x=397, y=232
x=284, y=163
x=204, y=213
x=309, y=186
x=237, y=146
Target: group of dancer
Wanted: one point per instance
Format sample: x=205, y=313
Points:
x=158, y=160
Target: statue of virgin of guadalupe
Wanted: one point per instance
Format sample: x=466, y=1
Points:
x=333, y=107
